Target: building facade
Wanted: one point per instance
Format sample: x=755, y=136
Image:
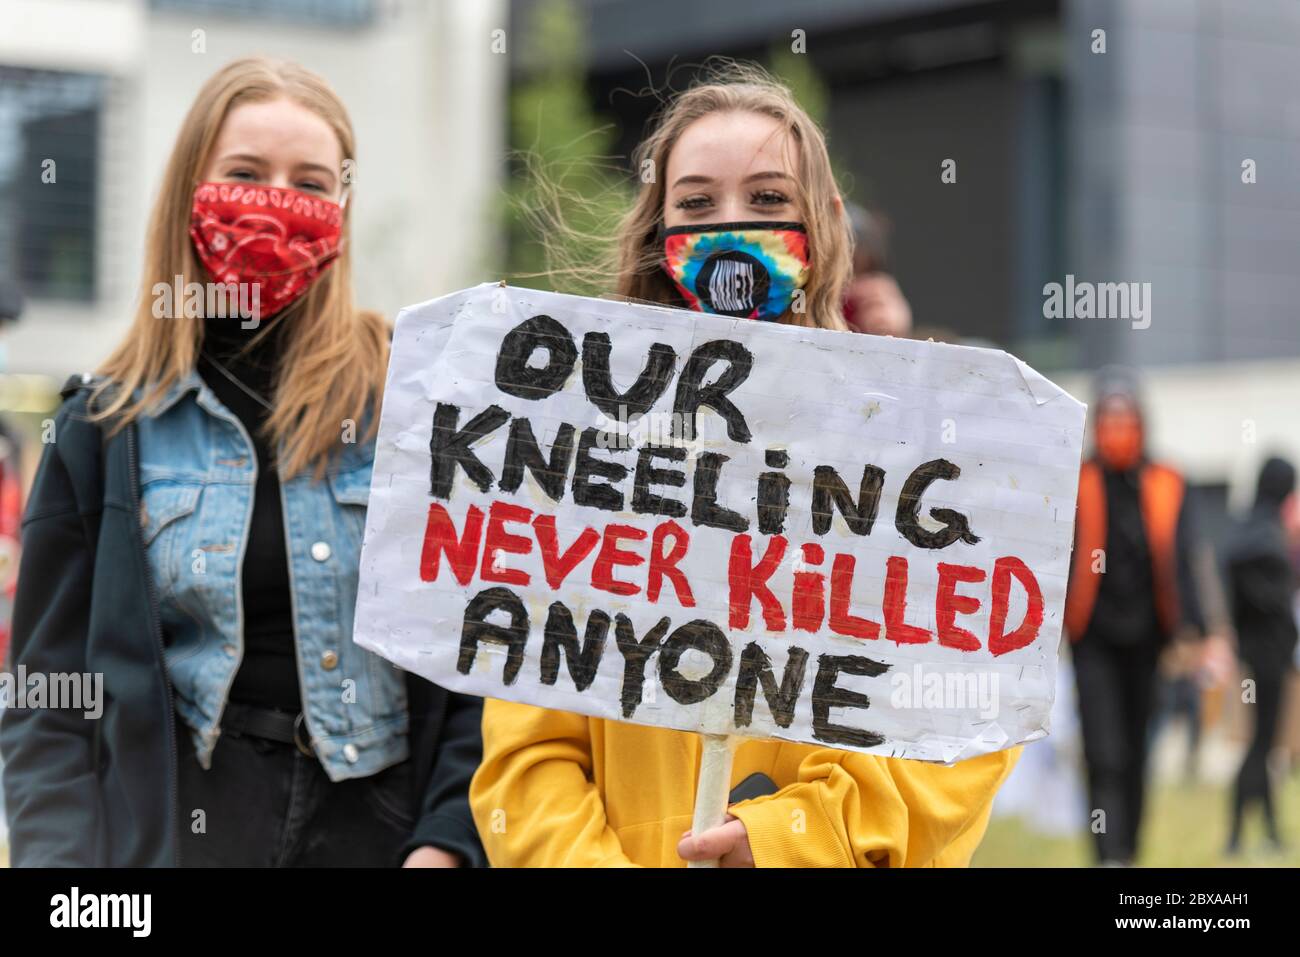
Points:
x=100, y=87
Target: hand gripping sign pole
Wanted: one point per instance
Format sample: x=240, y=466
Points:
x=715, y=786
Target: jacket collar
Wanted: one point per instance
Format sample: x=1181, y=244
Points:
x=190, y=382
x=207, y=400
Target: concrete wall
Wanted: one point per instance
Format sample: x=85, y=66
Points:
x=1160, y=125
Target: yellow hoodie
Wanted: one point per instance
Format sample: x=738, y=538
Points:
x=558, y=789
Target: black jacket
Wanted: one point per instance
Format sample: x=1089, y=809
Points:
x=82, y=792
x=1260, y=576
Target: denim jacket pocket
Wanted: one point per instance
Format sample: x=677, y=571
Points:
x=163, y=505
x=351, y=490
x=352, y=486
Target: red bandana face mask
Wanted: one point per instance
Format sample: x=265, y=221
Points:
x=277, y=240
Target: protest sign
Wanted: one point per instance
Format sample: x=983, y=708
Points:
x=720, y=525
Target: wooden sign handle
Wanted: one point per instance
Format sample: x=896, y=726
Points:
x=714, y=788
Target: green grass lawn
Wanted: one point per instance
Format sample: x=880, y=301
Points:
x=1184, y=827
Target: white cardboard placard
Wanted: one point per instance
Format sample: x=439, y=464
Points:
x=927, y=636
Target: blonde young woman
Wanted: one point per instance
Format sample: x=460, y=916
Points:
x=193, y=536
x=742, y=175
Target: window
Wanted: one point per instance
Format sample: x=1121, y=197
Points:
x=49, y=158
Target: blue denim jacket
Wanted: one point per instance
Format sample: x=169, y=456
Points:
x=197, y=474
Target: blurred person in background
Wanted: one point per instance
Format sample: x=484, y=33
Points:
x=11, y=511
x=1131, y=591
x=1180, y=686
x=1261, y=582
x=873, y=302
x=193, y=537
x=747, y=178
x=11, y=487
x=11, y=508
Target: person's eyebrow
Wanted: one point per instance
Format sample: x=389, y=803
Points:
x=315, y=167
x=246, y=157
x=752, y=177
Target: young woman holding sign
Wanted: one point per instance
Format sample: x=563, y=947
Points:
x=193, y=537
x=742, y=169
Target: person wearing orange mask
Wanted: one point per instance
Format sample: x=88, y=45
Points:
x=1131, y=590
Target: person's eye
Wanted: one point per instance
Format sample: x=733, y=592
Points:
x=693, y=202
x=312, y=185
x=246, y=174
x=769, y=197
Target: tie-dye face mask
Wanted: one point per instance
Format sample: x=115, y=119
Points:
x=746, y=270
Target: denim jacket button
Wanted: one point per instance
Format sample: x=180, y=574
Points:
x=320, y=551
x=350, y=753
x=229, y=649
x=329, y=660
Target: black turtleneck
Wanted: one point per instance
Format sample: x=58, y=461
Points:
x=268, y=675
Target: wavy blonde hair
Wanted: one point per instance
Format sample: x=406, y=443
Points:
x=334, y=355
x=727, y=86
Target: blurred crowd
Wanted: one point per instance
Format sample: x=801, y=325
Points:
x=1142, y=650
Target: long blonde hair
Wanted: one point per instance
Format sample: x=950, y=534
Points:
x=734, y=87
x=334, y=355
